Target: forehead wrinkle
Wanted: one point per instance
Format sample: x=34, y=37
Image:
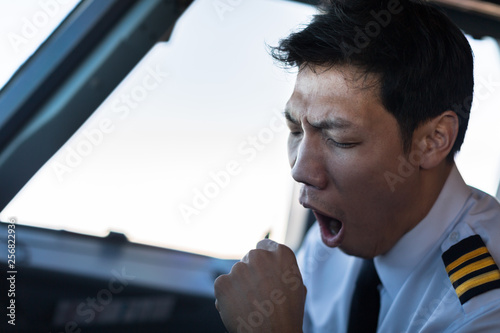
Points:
x=323, y=122
x=328, y=108
x=331, y=123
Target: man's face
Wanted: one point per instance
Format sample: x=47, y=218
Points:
x=342, y=141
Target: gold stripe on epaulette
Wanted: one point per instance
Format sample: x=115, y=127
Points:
x=466, y=257
x=471, y=269
x=477, y=281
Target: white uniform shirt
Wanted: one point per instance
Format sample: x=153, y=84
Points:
x=416, y=292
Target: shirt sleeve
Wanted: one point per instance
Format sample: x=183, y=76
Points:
x=485, y=320
x=302, y=254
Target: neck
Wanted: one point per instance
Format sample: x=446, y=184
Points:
x=431, y=184
x=425, y=188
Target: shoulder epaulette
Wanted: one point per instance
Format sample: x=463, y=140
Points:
x=471, y=269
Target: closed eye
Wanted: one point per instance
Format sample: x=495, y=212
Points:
x=341, y=144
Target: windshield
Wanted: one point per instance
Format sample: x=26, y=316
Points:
x=24, y=26
x=189, y=151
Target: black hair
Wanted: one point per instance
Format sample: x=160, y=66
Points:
x=423, y=61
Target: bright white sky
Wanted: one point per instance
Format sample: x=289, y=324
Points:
x=479, y=158
x=194, y=107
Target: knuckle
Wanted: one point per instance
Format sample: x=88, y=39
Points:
x=253, y=255
x=220, y=282
x=238, y=268
x=284, y=249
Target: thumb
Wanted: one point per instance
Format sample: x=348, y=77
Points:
x=267, y=244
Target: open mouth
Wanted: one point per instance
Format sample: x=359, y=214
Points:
x=332, y=231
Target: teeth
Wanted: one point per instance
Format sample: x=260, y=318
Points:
x=335, y=226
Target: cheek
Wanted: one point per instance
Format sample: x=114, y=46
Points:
x=359, y=176
x=374, y=197
x=349, y=172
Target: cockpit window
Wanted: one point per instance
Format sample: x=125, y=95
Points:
x=189, y=151
x=479, y=158
x=24, y=26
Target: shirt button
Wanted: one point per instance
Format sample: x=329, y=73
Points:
x=454, y=236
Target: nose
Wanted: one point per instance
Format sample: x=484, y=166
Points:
x=308, y=167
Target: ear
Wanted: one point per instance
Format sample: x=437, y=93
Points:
x=435, y=139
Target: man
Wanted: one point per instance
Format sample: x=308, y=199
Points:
x=380, y=107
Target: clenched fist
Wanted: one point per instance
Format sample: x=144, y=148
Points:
x=263, y=292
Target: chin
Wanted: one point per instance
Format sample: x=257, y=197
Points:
x=357, y=252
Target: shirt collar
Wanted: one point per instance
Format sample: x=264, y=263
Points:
x=395, y=266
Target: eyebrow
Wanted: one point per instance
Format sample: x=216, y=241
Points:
x=337, y=123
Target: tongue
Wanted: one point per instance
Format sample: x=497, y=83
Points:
x=335, y=226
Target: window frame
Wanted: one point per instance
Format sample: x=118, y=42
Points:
x=52, y=94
